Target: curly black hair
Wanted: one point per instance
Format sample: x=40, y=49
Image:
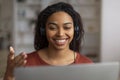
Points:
x=40, y=40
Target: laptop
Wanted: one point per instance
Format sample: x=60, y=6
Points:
x=95, y=71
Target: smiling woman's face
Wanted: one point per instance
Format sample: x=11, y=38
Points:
x=59, y=30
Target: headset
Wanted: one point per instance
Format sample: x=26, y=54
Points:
x=77, y=29
x=42, y=31
x=77, y=35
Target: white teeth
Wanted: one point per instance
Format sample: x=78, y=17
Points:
x=60, y=41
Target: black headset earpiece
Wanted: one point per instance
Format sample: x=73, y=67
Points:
x=77, y=35
x=42, y=31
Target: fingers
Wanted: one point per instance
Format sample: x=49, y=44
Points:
x=21, y=63
x=12, y=53
x=16, y=61
x=20, y=60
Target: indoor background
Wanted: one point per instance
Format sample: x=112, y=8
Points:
x=100, y=18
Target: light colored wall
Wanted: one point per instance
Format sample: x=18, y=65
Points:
x=110, y=31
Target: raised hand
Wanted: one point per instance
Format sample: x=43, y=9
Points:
x=16, y=61
x=13, y=62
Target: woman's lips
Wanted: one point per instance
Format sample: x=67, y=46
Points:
x=60, y=42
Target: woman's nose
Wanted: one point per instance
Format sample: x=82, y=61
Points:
x=60, y=32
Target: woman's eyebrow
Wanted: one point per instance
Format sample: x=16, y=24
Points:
x=52, y=23
x=67, y=23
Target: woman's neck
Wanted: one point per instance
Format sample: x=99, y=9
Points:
x=55, y=53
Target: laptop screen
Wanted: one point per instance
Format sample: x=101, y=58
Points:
x=97, y=71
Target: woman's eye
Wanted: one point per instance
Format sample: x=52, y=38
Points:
x=67, y=28
x=52, y=27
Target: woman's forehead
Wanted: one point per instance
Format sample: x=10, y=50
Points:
x=60, y=17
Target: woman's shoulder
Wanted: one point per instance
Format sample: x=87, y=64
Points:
x=80, y=58
x=32, y=54
x=33, y=59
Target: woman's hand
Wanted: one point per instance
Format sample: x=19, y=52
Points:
x=16, y=61
x=13, y=62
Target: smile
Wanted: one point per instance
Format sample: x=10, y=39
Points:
x=60, y=42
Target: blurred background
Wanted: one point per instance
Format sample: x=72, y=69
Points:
x=101, y=20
